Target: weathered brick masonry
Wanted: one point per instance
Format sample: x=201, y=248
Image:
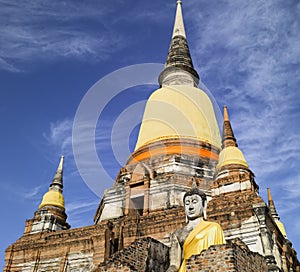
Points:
x=144, y=254
x=227, y=258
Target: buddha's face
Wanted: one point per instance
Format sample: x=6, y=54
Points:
x=193, y=207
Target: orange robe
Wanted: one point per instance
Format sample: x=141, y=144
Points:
x=204, y=235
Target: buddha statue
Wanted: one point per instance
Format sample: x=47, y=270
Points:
x=197, y=235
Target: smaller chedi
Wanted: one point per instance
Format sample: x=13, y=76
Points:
x=197, y=235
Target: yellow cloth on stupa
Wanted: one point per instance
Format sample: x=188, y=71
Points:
x=204, y=235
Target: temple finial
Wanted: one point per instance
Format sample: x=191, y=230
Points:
x=179, y=69
x=230, y=154
x=228, y=138
x=58, y=178
x=51, y=215
x=54, y=196
x=179, y=25
x=272, y=205
x=226, y=117
x=274, y=214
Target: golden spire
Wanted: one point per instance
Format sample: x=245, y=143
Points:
x=54, y=196
x=274, y=213
x=230, y=154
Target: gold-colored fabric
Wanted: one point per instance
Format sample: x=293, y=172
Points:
x=281, y=227
x=181, y=111
x=231, y=155
x=53, y=198
x=204, y=235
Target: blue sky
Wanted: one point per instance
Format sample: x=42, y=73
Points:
x=52, y=52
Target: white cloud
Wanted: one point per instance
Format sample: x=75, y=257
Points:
x=80, y=212
x=78, y=207
x=60, y=136
x=8, y=66
x=37, y=30
x=291, y=191
x=34, y=193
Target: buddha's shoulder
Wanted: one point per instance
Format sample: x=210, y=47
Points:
x=211, y=224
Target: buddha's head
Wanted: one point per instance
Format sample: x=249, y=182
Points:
x=195, y=203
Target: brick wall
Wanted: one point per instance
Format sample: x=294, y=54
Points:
x=148, y=254
x=230, y=257
x=145, y=254
x=115, y=268
x=46, y=251
x=231, y=209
